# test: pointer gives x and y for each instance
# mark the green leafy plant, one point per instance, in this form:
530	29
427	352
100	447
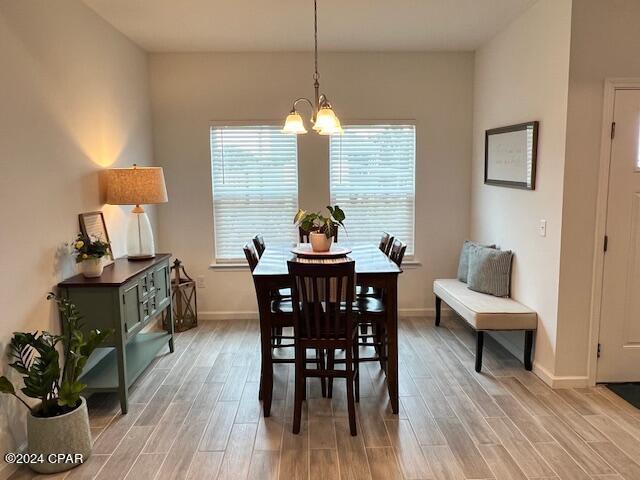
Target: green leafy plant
315	222
85	248
35	356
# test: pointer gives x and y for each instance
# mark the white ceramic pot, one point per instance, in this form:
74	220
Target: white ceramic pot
320	242
92	267
63	442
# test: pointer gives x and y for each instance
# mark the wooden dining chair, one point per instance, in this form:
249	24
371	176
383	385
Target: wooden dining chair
281	316
385	245
251	255
371	315
276	332
385	242
258	242
398	248
303	235
323	319
364	290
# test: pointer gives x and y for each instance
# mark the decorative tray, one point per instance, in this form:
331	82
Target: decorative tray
303	250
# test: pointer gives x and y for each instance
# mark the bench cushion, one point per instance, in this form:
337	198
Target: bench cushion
482	311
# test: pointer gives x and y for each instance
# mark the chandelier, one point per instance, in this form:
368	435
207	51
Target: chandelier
324	120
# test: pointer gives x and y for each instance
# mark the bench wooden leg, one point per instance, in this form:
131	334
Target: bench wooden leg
528	344
438	308
479	347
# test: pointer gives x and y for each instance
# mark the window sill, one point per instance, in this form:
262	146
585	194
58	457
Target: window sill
410	264
229	266
237	266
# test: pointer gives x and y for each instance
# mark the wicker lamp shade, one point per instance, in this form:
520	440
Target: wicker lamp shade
136	186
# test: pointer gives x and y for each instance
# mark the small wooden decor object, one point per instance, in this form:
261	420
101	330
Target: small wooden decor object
184	298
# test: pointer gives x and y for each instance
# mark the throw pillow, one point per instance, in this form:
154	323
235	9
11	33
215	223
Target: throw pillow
490	270
463	263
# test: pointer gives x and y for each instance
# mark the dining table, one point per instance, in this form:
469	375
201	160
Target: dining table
373	268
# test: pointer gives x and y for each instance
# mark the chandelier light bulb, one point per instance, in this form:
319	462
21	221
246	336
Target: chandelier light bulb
294	124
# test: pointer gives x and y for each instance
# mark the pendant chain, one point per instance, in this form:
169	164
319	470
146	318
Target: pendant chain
316	75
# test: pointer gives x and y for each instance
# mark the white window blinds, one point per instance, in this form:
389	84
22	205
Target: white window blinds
255	186
373	180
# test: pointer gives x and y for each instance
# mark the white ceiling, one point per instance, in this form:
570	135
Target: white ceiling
287	25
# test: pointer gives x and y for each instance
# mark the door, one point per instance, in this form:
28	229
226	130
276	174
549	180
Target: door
132	300
163	286
620	316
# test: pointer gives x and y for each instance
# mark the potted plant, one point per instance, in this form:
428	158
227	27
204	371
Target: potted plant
58	424
321	229
89	252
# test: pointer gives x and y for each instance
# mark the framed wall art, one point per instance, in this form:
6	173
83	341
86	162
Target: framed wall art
510	155
92	224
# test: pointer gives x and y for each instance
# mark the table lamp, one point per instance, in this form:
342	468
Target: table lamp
137	186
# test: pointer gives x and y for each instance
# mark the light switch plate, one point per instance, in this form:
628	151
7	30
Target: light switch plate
542	228
200	281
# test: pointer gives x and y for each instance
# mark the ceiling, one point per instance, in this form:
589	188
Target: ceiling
287	25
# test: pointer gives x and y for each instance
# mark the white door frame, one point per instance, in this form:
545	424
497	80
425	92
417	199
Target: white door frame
610	87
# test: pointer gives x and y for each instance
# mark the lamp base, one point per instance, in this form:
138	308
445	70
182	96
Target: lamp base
140	245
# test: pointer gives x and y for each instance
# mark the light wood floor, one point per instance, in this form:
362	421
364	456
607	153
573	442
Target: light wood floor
195	415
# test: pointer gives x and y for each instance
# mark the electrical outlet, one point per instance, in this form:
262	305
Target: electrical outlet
200	281
542	228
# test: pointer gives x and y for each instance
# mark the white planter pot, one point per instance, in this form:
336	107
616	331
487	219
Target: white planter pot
64	434
92	267
320	242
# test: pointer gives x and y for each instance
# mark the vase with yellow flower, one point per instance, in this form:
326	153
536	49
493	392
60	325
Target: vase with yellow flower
89	252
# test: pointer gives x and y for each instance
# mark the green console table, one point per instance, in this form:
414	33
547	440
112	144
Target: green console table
127	296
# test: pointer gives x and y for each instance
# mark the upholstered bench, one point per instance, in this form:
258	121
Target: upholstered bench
486	313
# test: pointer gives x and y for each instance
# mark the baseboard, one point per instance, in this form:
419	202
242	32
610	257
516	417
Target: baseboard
237	315
560	381
253	315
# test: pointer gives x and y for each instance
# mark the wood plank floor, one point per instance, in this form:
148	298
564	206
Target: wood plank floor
195	415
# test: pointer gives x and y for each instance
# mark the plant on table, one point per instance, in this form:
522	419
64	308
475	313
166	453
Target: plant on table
315	222
89	248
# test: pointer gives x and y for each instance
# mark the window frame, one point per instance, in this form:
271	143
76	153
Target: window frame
409	259
239	262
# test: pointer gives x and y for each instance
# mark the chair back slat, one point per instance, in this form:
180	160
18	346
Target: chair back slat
317	305
336	304
251	256
300	286
258	242
327	313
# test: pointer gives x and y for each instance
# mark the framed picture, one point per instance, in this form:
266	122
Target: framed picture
510	155
92	225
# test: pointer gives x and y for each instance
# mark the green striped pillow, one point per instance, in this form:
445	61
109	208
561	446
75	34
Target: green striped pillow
463	263
490	270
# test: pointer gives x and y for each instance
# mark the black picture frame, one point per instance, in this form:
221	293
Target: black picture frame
93	224
527	183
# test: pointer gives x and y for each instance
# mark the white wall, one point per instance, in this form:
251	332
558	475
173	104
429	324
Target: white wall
434	89
522	75
74	99
605	42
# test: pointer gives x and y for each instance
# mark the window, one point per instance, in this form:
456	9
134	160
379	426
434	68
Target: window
373	180
255	187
